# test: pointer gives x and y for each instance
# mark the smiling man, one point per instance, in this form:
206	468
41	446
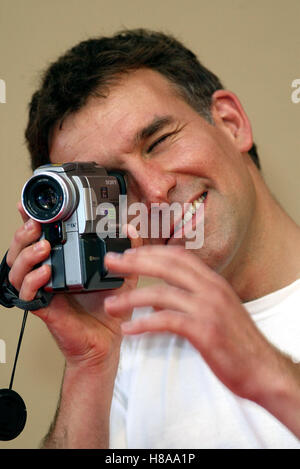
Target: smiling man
219	365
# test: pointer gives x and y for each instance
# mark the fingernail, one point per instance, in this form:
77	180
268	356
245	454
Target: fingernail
40	246
110	299
113	254
29	224
130	251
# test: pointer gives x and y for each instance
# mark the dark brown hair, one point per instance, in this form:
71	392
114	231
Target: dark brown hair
90	68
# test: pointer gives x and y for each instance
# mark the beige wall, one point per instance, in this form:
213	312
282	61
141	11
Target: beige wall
254	48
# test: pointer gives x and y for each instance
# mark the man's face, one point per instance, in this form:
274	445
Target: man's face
169	154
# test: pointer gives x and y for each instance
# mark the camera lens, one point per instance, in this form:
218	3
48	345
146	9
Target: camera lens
47	198
43	198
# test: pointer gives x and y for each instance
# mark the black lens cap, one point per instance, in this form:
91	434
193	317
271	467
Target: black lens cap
13	414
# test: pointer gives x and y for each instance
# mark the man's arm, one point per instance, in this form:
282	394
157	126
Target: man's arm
82	418
88	338
281	396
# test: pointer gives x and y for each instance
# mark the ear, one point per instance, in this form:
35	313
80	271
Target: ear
229	115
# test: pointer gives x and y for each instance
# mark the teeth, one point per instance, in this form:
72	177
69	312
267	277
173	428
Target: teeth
192	210
199	201
189	214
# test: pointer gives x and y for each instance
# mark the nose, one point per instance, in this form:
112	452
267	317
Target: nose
150	183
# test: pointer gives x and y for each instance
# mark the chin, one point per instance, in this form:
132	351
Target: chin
215	254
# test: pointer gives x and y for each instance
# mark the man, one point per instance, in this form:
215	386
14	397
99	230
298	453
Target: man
219	367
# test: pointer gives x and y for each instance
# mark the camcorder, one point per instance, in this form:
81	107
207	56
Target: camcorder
71	201
65	199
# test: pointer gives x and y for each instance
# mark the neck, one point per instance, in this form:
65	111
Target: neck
269	257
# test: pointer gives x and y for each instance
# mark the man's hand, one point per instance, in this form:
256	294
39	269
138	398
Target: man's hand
84	332
198	304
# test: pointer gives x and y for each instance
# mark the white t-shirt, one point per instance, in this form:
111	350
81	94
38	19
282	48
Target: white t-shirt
167	397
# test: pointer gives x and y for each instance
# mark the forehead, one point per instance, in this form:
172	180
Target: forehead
106	126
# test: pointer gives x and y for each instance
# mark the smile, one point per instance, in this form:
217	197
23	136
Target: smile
190	212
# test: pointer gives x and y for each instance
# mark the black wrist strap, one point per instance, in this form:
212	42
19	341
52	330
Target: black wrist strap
9	296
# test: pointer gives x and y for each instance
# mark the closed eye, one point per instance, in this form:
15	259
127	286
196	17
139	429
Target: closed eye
158	142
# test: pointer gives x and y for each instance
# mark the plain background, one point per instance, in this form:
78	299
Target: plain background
253	47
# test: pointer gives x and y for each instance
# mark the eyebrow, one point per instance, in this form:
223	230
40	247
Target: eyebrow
157	124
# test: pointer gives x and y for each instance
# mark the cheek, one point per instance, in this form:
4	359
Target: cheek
222	164
132	191
201	156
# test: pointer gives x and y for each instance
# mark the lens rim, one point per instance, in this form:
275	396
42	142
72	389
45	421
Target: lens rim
64	189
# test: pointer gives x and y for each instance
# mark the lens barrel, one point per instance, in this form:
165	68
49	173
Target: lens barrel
48	197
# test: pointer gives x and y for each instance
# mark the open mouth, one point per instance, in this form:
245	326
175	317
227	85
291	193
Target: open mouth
189	213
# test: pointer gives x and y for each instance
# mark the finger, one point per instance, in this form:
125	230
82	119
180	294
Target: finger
162	321
174	269
158	296
34	281
184	258
26	260
136	241
22	212
132	234
24	236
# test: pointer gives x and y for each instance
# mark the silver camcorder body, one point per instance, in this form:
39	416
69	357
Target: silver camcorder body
65	199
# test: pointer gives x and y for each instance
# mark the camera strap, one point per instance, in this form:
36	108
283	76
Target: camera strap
9	296
13	413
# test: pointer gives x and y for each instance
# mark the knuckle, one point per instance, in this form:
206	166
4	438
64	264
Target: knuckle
19	236
9	259
172	265
126	298
32	255
213	333
27	282
12	278
164	319
28	288
28	256
36	230
220	296
180	322
223	284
